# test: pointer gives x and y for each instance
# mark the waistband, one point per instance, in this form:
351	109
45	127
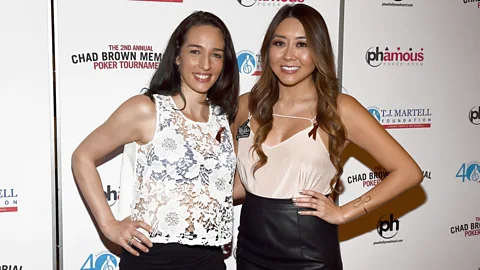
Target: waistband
265	202
259	201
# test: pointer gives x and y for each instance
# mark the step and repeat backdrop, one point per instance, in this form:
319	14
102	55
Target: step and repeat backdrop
413	64
27	190
107	52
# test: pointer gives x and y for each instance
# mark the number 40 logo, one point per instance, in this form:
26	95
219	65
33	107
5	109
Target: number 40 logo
103	261
470	171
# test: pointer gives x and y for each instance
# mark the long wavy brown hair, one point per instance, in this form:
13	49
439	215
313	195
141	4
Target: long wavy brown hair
265	93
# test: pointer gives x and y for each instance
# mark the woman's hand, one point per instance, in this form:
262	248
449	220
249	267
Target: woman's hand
125	234
322	207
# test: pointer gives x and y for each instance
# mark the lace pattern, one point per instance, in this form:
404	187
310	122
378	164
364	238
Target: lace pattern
184	179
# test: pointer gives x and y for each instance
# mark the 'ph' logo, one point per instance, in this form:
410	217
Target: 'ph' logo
374	56
111	195
388	228
474	115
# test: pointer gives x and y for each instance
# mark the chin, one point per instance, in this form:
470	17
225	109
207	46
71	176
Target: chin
289	82
202	90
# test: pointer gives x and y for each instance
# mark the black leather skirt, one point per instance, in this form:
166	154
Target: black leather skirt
272	235
174	257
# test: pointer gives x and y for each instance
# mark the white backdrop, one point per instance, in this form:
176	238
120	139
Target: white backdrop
425	104
90	89
26	114
412	63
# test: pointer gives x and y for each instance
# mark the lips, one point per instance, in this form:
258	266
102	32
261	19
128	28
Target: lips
202	77
289	69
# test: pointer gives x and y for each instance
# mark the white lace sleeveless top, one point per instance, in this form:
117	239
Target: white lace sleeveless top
181	182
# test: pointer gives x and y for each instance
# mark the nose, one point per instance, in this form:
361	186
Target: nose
205	62
290	53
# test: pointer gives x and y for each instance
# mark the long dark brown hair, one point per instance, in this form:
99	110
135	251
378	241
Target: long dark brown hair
265	93
166	80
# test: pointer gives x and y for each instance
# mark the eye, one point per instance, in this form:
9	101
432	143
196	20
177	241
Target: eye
301	44
278	43
194	51
217	55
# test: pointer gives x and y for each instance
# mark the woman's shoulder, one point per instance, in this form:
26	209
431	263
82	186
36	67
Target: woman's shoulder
140	106
352	113
243	99
347	105
243	111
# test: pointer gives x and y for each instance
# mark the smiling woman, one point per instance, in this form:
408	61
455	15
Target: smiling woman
201	59
202	46
291	129
178	164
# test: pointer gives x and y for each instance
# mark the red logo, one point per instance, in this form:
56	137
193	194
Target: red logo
8	200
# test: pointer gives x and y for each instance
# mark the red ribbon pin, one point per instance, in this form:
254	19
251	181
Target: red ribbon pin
219	134
313	132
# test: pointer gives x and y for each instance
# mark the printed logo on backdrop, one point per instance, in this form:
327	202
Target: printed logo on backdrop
10	267
120	57
402	118
8	200
469	172
167	1
470	2
394	56
467	229
267	3
474	115
387	228
111	195
369	179
102	261
397	3
249	63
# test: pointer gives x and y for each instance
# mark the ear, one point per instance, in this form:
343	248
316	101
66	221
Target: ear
177	60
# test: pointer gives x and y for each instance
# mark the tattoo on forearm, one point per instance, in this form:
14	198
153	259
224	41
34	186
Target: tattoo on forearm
361	202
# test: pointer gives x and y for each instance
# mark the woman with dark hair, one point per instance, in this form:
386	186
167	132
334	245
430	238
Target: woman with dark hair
176	207
291	130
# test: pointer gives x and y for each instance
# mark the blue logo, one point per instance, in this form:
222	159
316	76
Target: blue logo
102	261
470	171
375	112
247	63
402	118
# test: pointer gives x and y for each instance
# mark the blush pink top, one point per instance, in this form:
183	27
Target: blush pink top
298	163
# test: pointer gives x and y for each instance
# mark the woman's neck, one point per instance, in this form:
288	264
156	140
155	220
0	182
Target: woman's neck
195	104
304	90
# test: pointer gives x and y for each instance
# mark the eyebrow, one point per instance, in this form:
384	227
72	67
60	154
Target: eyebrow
201	47
280	36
